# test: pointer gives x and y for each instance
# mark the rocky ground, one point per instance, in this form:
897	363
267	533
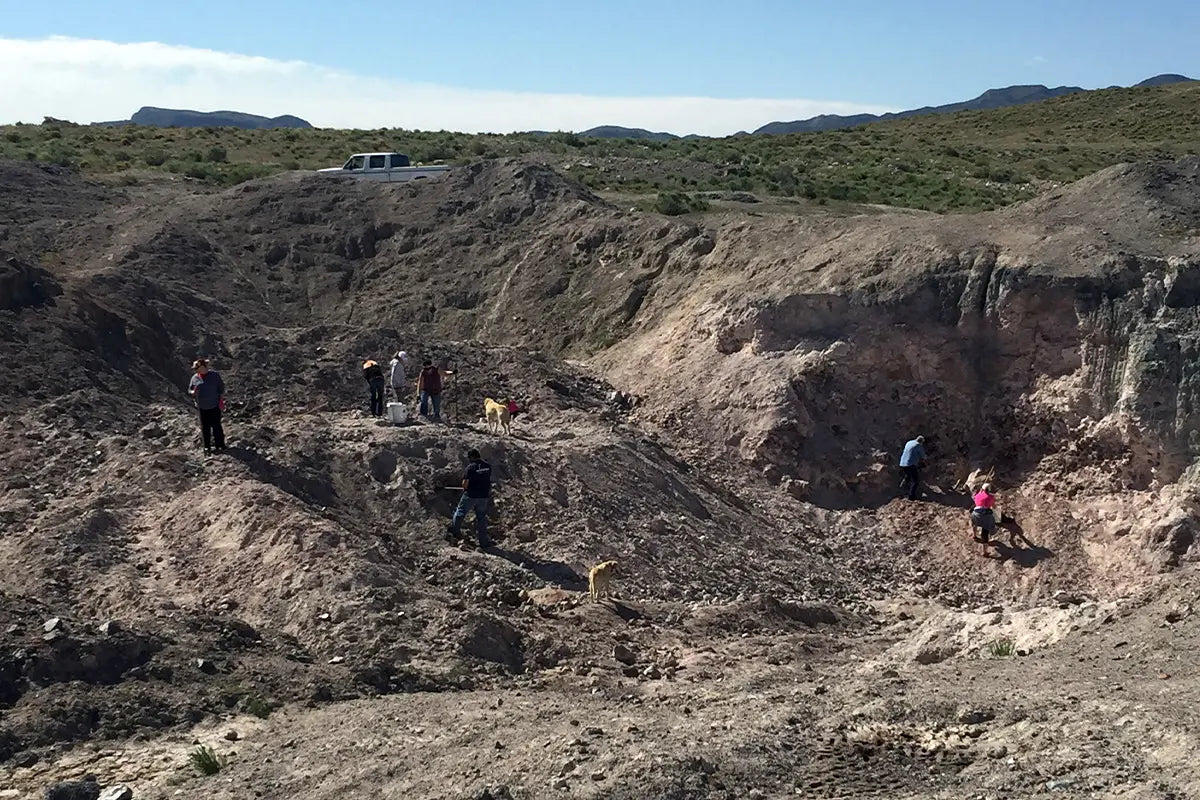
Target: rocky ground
783	626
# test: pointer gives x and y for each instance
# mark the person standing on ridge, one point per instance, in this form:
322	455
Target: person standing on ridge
429	390
398	377
207	390
476	496
373	375
911	462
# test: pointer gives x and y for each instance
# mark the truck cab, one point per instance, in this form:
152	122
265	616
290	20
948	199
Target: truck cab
385	167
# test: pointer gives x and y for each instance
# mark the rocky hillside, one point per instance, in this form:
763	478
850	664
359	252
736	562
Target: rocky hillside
775	598
183	118
992	98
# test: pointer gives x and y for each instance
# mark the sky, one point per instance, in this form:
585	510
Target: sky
699	66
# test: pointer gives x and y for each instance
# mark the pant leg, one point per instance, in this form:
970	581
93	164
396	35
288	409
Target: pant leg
437	406
377	398
481	525
914	482
464	504
218	430
206	428
424	407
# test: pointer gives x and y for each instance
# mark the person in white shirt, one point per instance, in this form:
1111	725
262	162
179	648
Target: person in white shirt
399	374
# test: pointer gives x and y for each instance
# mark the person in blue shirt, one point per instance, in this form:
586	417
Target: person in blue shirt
476	496
911	462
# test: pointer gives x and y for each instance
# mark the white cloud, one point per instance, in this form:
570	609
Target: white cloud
87	80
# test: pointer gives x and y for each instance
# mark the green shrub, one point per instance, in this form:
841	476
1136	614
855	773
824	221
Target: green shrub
217	155
1002	648
205	761
258	706
673	204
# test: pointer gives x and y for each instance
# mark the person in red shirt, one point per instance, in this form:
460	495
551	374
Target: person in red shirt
429	390
983	515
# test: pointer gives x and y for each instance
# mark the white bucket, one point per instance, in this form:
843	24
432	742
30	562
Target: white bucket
397	413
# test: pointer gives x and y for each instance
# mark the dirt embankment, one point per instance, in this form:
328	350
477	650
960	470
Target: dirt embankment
780	363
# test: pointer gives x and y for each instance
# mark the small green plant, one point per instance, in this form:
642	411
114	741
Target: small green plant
205	761
259	707
1002	648
673	204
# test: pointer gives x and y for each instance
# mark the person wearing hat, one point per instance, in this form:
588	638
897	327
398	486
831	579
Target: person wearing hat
207	390
911	462
373	374
398	377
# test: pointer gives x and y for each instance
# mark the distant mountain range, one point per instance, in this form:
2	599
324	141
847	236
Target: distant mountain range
992	98
182	118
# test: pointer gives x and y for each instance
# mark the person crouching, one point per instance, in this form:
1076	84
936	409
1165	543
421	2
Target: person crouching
983	516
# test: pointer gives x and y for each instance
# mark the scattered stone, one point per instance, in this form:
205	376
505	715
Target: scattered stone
976	717
117	793
630	671
997	751
52	624
598	775
568	767
86	789
1177	615
152	431
232	735
337	660
624	654
111	627
561	784
206	666
1060	783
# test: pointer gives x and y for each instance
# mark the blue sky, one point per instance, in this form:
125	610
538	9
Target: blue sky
861	54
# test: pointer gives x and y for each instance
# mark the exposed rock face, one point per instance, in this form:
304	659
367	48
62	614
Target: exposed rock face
1025	338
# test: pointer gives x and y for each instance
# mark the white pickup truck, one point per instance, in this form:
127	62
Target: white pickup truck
385	167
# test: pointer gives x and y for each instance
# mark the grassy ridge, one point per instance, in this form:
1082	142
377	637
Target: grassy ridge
965	161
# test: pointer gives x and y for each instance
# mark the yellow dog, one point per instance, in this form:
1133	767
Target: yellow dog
600	579
497	415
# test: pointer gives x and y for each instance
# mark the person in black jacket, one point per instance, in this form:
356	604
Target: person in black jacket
476	496
373	374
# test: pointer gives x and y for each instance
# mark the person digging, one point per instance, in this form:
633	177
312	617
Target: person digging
912	461
476	496
983	517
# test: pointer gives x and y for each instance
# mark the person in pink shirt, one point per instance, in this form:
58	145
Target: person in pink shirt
983	515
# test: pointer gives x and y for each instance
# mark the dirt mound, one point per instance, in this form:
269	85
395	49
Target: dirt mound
768	367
